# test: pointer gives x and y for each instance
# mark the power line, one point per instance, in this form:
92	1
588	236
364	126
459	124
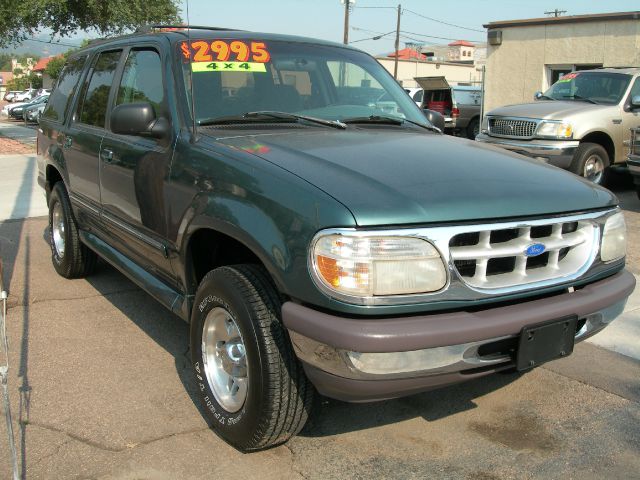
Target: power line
441	38
51	42
442	21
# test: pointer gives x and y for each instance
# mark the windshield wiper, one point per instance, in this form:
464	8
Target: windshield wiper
383	120
269	116
578	97
546	96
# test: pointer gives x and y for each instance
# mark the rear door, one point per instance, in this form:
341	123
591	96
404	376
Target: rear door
134	169
86	129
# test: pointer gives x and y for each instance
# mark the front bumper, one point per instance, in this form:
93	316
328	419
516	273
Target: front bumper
558	153
423	352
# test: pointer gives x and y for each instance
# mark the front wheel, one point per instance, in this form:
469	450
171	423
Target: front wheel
591	161
252	386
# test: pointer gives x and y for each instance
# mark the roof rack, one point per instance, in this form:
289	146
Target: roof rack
150	28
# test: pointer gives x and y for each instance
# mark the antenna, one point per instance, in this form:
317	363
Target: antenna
194	132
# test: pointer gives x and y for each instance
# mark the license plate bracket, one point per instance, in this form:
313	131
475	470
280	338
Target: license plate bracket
546	341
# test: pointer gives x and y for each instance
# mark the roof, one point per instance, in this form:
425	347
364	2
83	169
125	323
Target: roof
461	43
598	17
407	54
6	77
43	62
178	33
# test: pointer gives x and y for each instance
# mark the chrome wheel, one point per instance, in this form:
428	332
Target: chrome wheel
593	169
224	359
57	229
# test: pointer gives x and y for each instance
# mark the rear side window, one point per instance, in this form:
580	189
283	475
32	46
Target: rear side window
467	97
93	103
142	80
62	95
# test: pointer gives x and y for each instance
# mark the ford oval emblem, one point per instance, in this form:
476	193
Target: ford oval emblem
535	249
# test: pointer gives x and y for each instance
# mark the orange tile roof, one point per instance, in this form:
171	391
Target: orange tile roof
407	54
42	63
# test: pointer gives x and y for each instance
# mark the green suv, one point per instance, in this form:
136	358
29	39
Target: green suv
314	239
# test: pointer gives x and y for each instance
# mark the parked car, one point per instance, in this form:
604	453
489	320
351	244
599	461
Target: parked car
32	113
633	161
460	104
416	94
313	243
17	111
24	96
581	123
10	94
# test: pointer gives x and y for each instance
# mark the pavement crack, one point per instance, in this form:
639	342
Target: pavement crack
294	466
107	448
76	437
36	301
144	443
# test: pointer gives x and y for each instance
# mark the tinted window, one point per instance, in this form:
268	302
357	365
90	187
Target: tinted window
62	94
142	80
467	97
93	106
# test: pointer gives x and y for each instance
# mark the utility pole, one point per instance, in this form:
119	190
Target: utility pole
555	13
346	21
395	65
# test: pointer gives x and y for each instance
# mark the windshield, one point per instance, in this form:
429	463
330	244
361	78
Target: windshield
233	77
596	87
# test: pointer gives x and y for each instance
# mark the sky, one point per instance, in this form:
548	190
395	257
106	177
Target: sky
325	18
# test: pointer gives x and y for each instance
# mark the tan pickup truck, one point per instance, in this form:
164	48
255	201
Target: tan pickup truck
582	123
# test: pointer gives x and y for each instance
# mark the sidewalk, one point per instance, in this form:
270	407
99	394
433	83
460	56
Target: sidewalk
20	194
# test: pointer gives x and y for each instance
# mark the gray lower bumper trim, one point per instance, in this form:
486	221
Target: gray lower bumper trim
427	331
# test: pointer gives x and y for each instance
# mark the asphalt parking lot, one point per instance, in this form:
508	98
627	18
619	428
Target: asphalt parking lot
100	389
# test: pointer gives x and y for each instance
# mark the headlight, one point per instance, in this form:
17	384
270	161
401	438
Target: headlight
367	266
614	238
548	129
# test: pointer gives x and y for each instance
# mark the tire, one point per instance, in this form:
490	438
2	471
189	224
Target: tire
591	161
473	128
71	258
273	396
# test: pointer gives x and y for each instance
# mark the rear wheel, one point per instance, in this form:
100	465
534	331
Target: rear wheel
473	129
591	161
253	387
71	258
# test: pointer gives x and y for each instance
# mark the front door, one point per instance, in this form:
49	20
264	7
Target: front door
630	118
134	169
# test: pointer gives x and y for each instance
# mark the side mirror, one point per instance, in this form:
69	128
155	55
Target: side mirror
436	119
138	119
537	95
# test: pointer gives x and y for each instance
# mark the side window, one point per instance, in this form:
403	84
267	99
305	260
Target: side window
142	80
62	95
93	104
635	90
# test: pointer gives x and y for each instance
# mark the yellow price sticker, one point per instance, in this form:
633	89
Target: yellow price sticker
228	67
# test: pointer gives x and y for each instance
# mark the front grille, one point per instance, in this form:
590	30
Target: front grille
508	127
491	259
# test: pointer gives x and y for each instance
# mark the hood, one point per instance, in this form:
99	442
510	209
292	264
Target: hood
394	176
548	109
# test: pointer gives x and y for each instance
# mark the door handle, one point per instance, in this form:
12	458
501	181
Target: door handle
107	155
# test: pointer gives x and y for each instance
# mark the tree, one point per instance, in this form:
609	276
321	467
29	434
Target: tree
62	17
54	67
